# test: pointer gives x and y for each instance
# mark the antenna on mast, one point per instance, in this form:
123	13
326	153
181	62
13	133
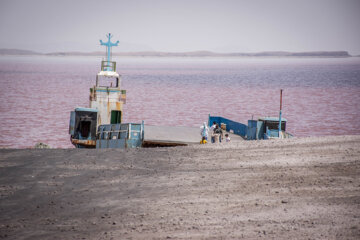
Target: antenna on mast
108	45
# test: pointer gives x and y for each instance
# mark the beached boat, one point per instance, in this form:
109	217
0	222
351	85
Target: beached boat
262	128
105	107
101	125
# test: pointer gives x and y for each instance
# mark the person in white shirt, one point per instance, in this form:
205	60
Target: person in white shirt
227	137
204	131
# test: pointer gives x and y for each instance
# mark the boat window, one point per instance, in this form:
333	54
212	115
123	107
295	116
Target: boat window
274	125
107	82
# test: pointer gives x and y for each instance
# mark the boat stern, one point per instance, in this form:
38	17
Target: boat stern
83	126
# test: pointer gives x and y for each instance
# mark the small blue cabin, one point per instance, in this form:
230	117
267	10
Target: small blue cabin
266	128
263	128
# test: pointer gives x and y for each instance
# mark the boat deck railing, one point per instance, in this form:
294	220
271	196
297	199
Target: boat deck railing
108	66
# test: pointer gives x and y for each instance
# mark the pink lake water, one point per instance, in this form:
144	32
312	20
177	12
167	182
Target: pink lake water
321	95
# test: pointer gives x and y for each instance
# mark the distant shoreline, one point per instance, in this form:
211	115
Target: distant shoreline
322	54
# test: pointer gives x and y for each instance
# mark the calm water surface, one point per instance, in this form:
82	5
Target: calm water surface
321	95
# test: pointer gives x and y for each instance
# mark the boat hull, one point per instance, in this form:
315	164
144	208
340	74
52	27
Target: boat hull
83	143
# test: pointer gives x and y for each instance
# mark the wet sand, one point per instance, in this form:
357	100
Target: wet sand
305	188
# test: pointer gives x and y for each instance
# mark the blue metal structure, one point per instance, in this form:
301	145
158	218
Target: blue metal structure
255	130
265	128
231	126
122	135
108	45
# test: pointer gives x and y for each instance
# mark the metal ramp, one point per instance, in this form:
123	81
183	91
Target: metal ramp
161	136
132	135
170	136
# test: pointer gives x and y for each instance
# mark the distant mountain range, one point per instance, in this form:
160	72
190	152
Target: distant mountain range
6	51
183	54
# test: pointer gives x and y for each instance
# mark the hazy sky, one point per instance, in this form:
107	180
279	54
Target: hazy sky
182	25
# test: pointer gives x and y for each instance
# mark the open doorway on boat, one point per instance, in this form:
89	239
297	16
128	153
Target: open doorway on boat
85	128
115	117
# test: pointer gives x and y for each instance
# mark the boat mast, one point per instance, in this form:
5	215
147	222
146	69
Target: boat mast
108	45
280	112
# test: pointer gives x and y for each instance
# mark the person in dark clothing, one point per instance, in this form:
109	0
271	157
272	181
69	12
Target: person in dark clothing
218	133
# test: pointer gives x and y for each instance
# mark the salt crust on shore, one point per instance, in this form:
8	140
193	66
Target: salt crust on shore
301	188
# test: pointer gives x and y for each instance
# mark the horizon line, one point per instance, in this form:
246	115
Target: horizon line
341	53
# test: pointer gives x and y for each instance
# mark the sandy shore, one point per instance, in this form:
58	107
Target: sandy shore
306	188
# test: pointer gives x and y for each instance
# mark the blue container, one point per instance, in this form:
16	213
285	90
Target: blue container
121	135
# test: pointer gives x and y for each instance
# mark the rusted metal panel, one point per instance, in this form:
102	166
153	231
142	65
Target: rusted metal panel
84	143
118	105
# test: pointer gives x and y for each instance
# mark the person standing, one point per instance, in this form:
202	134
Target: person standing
220	131
204	131
217	134
212	132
